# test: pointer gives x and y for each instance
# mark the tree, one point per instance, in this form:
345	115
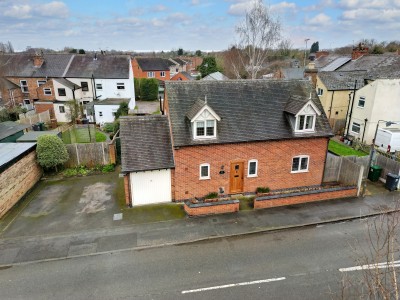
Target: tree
81	51
314	47
73	50
148	89
258	34
180	51
51	151
208	66
122	110
73	110
198	53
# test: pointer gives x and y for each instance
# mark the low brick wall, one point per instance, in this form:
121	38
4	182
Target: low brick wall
211	208
304	197
17	180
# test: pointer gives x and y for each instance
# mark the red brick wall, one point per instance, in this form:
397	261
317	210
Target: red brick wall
274	165
18	179
179	76
211	210
138	73
41	107
305	198
35	92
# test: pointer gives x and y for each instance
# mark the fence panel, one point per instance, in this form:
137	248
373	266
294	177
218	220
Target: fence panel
32	118
388	165
332	167
90	154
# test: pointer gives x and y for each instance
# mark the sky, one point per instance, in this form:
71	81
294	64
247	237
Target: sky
155	25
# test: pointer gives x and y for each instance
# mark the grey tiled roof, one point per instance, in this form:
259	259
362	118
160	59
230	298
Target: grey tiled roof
187	75
105	66
154	63
370	62
250	110
9	128
145	143
67	83
179	61
339	81
295	103
215	76
196	107
21	65
293	73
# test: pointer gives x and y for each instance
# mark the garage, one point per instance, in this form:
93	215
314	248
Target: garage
146	159
150	187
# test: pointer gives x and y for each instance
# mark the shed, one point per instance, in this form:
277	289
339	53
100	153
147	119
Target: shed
32	136
147	159
11	131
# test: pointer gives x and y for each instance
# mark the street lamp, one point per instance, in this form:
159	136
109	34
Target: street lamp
305	52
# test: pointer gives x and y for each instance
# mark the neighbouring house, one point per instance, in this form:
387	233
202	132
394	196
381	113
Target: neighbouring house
147	164
182	76
228	137
289	73
377	100
50	81
215	76
179	65
105	110
19	172
152	67
11	131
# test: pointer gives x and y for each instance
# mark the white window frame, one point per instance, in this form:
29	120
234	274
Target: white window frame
205	136
48	90
204	177
304	124
151	74
162	73
361	98
120	86
299	170
248	168
63	109
85	86
24	87
356	124
320	92
99	86
41	82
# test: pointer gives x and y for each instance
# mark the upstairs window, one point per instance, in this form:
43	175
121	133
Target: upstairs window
99	86
47	91
162	73
151	75
205	129
300	164
320	92
120	86
62	92
361	102
24	86
41	82
305	123
85	86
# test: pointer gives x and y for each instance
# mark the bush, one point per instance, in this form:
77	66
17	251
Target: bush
79	170
211	195
148	89
51	151
262	189
108	168
108	127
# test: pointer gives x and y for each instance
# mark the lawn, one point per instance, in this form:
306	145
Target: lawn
344	150
82	135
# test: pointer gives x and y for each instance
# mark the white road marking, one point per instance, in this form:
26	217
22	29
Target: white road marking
233	285
383	265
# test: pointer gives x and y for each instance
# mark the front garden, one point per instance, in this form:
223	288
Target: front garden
344	150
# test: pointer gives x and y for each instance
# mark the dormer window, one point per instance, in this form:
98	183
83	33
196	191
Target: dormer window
306	117
305	123
204	121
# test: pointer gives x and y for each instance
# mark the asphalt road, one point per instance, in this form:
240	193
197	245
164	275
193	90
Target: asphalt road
296	264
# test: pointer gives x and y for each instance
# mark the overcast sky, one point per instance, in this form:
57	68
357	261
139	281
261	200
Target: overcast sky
188	24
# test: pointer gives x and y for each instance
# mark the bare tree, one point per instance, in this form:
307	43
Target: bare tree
377	258
258	34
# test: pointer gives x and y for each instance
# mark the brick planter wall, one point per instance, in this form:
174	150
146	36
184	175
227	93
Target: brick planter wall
303	197
17	180
211	208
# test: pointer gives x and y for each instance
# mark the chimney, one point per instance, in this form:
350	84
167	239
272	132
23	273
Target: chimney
359	51
319	54
38	60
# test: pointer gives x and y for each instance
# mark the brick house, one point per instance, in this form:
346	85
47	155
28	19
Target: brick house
152	67
231	137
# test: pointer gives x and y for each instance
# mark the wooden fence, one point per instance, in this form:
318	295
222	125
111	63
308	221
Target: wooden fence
388	165
90	154
32	117
344	170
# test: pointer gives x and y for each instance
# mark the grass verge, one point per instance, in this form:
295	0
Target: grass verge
343	150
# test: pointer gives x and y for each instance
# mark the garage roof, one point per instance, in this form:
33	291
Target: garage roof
145	143
11	151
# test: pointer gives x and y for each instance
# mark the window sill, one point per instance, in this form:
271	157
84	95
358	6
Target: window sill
204	178
252	176
301	171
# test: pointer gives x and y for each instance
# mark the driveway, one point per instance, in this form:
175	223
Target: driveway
66	205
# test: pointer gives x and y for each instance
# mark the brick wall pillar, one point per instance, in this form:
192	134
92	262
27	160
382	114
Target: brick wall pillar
127	190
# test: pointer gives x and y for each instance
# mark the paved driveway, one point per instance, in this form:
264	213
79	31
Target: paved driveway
67	205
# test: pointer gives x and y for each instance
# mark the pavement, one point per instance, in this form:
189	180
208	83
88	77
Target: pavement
89	227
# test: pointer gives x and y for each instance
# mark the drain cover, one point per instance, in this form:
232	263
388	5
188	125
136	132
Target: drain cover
117	217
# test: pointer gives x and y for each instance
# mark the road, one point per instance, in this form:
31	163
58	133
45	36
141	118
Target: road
293	264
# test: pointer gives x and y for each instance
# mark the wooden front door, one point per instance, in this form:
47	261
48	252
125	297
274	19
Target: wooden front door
236	177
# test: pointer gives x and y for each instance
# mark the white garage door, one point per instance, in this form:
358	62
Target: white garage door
151	187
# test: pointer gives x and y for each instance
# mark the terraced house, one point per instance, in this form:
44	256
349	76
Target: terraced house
228	137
